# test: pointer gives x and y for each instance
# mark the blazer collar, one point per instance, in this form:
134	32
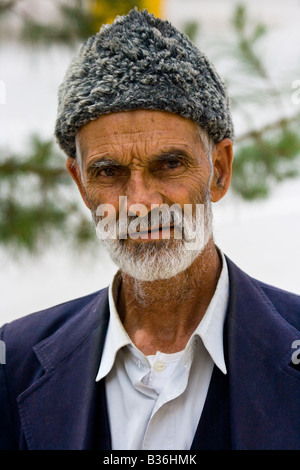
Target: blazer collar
58	410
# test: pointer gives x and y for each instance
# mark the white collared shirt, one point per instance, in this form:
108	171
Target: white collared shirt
155	402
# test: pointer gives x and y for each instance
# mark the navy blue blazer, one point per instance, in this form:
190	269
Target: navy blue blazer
49	398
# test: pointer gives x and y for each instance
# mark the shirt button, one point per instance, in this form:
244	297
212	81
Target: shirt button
159	366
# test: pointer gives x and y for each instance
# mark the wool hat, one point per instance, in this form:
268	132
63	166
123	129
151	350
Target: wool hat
141	62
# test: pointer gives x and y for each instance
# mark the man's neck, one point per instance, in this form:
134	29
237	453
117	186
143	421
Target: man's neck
162	315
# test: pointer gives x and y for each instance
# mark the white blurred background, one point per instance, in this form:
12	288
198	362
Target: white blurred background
261	237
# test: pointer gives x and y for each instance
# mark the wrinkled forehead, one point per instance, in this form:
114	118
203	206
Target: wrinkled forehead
144	127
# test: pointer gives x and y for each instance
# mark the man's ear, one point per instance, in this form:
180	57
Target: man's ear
74	170
222	169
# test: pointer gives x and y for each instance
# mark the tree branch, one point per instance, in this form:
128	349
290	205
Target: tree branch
10	167
280	123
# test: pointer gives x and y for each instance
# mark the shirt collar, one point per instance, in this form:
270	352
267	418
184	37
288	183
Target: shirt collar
210	328
116	336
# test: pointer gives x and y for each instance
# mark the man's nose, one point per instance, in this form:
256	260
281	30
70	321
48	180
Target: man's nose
141	189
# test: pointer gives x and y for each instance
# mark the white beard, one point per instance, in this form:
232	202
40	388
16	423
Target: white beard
162	259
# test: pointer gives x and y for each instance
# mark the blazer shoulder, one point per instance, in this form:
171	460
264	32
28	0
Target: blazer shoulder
286	303
22	367
29	330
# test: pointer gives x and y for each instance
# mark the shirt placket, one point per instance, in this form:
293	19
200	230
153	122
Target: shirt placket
162	423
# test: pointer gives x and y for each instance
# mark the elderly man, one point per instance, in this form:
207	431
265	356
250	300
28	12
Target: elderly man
183	350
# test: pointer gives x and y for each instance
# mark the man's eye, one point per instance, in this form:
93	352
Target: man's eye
109	171
174	163
106	172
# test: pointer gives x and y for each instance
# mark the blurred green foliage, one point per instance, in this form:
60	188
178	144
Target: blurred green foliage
268	156
263	162
73	21
36	193
79	19
37	200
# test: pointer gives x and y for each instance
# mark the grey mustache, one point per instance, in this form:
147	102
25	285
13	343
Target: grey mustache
154	219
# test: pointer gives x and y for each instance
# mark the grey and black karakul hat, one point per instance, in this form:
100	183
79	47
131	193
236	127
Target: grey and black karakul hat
141	62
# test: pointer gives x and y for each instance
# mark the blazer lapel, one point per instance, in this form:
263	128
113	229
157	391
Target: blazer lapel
264	387
58	410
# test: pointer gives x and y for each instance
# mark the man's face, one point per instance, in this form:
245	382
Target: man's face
151	157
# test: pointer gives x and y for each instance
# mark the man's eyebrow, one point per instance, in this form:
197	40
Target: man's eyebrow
173	153
102	162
